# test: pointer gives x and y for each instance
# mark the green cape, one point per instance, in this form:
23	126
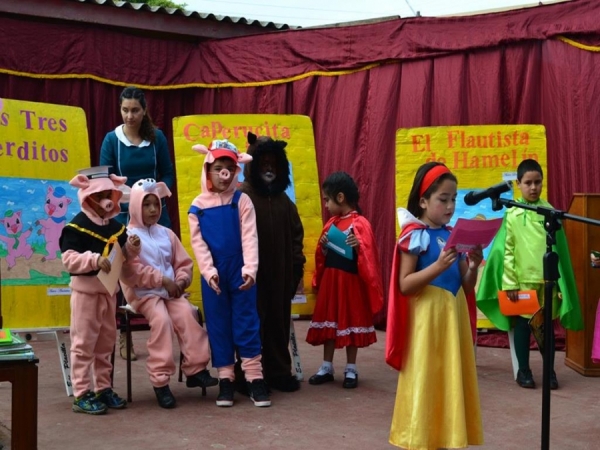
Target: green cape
491	282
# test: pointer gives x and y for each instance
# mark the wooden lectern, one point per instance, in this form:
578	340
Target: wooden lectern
584	238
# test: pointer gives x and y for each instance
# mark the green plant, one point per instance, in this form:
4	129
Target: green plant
163	3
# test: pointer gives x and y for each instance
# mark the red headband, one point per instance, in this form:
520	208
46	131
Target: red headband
434	173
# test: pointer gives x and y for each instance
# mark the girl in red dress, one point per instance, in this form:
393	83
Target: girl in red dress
348	281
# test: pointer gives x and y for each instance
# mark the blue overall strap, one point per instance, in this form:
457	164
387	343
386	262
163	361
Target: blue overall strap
195	210
236	198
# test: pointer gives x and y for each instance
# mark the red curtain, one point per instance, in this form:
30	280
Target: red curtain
113	54
500	69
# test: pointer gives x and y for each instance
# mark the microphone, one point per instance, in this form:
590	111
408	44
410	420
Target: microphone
474	197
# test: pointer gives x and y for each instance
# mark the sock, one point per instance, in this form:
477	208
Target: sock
326	367
350	371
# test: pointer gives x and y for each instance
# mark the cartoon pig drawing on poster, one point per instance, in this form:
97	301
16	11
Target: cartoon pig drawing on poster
16	242
55	206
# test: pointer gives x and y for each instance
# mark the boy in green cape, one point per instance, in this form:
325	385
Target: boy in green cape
515	263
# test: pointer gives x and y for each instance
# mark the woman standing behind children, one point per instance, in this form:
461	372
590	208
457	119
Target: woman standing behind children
154	284
224	239
429	336
136	149
349	286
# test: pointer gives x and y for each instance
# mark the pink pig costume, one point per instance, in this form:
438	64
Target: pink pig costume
83	240
162	255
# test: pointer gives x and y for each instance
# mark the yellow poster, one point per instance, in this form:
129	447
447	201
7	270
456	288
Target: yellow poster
41	148
479	155
297	131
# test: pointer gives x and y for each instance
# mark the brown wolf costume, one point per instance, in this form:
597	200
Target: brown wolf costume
281	260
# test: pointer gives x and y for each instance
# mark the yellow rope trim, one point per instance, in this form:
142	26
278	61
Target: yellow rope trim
111	240
314	73
589	48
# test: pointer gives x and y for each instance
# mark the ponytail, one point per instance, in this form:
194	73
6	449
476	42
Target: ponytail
147	128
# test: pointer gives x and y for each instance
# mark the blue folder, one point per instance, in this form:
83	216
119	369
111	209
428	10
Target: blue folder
337	242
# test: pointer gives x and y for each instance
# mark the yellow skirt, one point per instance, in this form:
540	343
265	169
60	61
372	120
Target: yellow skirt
437	401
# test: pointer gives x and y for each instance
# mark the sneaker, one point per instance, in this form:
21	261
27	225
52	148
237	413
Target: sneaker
201	379
165	397
226	391
525	379
259	393
88	403
111	399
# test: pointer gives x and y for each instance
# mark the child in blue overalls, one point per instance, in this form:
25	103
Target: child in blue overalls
225	242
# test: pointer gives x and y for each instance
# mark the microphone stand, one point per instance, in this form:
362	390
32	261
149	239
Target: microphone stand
552	223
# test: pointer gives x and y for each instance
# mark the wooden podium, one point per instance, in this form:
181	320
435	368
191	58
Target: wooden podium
584	238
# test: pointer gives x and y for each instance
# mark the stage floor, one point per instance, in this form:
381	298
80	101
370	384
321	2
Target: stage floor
317	417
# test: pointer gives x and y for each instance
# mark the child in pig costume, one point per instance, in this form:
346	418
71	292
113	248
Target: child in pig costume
86	243
224	240
154	285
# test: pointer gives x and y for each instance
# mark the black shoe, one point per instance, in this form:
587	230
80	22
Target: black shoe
350	383
525	379
259	393
201	379
285	383
553	381
165	397
226	391
320	379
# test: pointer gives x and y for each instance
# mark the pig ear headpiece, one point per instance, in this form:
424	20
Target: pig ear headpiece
222	148
85	176
150	186
126	191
